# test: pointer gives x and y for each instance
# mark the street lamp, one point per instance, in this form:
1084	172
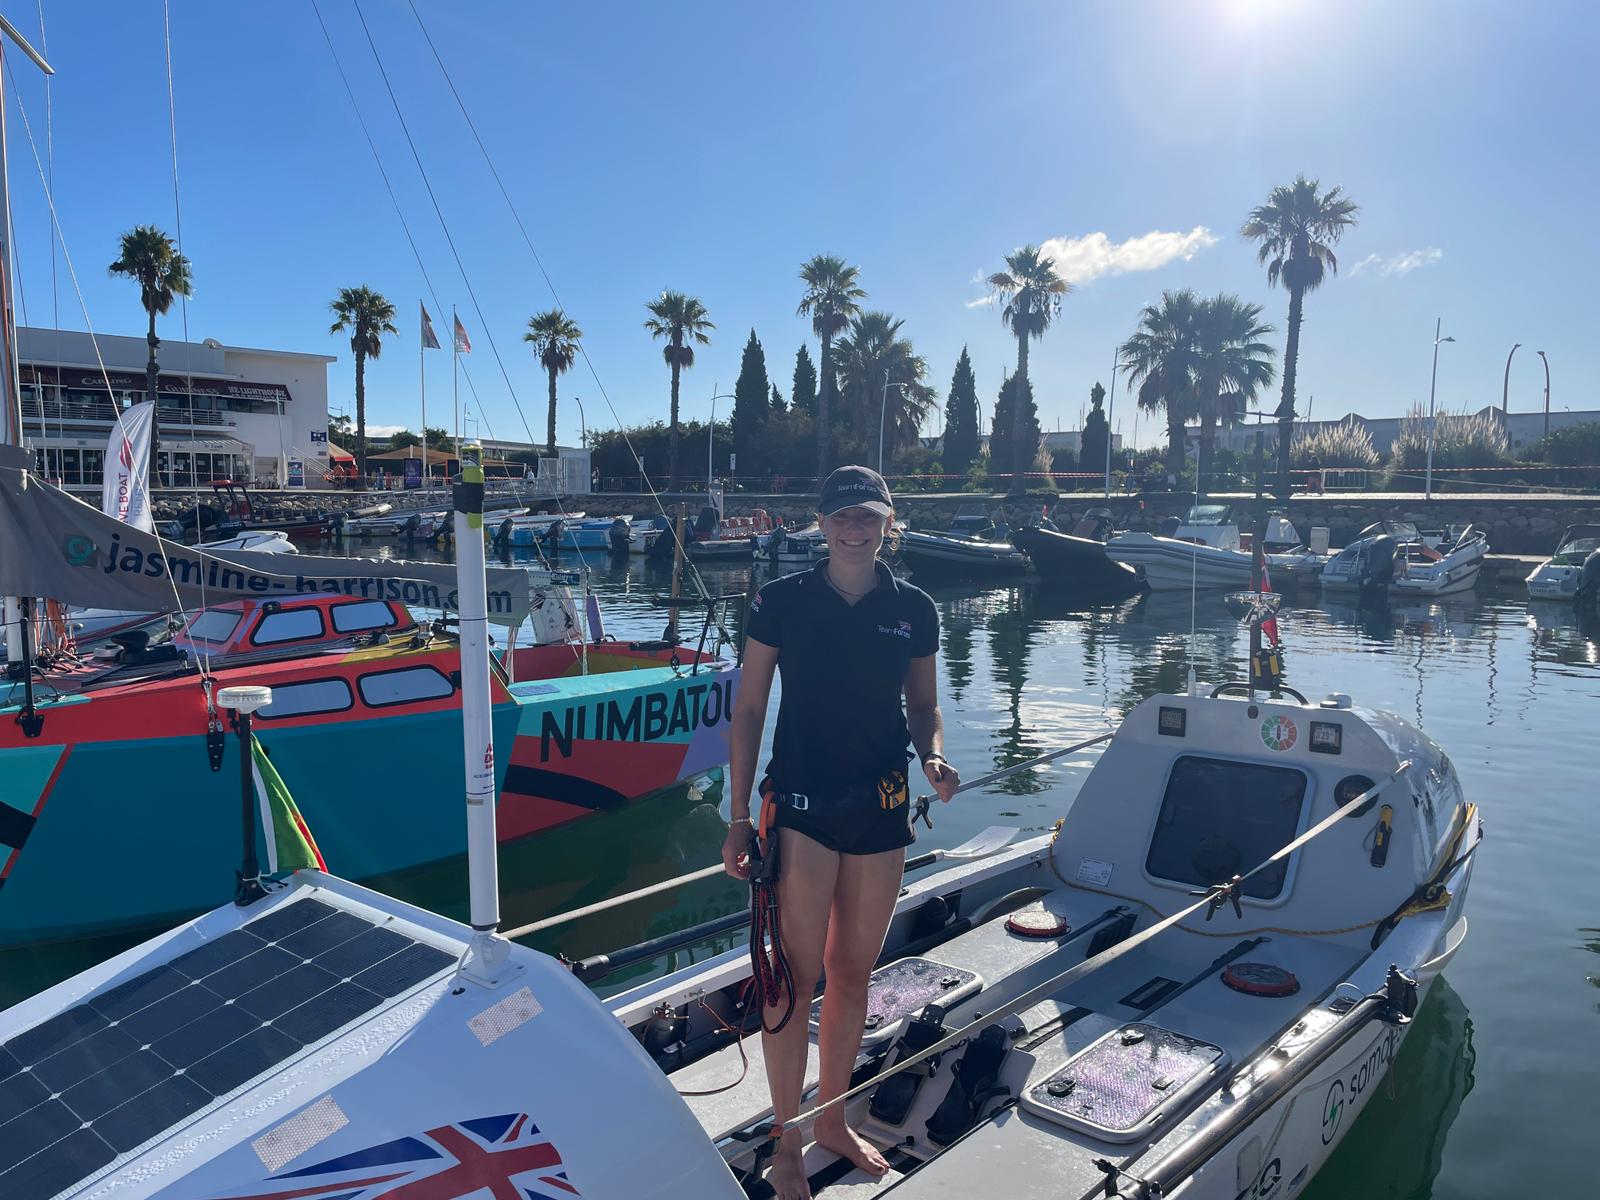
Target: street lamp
1505	388
583	425
711	431
883	413
1427	490
1546	362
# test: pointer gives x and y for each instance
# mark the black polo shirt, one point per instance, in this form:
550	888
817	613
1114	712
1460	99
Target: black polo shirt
841	719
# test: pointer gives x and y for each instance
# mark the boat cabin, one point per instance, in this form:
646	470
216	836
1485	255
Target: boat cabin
1210	525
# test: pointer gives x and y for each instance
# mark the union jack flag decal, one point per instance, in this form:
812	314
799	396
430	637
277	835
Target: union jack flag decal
503	1157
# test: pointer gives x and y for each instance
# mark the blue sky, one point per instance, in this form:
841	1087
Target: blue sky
712	148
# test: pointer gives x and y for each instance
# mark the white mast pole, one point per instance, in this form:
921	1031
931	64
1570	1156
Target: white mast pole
486	960
455	378
422	391
11	420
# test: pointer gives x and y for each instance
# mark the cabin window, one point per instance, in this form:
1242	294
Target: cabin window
365	614
1220	819
313	696
288	625
213	625
404	686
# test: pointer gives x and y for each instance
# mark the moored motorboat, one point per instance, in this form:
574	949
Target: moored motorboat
1202	552
1078	560
1442	566
1559	576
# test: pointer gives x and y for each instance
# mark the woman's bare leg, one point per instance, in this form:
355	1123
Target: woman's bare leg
864	896
807	874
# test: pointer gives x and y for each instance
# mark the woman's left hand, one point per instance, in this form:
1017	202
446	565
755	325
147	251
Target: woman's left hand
944	778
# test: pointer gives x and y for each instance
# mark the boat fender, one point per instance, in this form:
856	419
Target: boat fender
1382	834
975	1083
892	1101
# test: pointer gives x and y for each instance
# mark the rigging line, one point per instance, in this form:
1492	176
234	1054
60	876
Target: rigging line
388	184
55	297
94	339
183	304
694	570
461	267
427	183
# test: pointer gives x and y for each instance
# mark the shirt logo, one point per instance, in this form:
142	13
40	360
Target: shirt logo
902	630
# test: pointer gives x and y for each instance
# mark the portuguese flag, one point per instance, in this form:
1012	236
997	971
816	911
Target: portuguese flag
290	845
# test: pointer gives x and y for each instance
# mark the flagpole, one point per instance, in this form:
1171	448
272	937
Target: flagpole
455	381
422	391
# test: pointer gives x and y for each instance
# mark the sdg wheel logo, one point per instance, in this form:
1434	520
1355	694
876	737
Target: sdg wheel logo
1278	733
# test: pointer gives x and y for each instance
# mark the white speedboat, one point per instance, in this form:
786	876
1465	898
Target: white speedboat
1558	577
1367	564
1441	565
792	547
1203	551
1291	561
87	625
1059	1017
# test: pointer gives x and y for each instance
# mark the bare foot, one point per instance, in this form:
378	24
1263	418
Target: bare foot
788	1173
838	1137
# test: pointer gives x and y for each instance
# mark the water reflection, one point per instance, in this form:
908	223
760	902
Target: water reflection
1395	1148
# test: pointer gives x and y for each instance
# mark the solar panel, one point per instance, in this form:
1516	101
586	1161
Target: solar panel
104	1077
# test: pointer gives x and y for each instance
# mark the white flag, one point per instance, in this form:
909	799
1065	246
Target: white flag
125	494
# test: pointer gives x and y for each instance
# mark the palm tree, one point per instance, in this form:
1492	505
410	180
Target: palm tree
883	377
368	316
1159	359
830	300
554	336
1231	364
149	257
1297	228
1032	293
682	321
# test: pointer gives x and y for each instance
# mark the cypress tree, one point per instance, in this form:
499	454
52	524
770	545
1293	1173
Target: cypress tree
961	419
777	400
803	395
1092	450
1003	459
750	403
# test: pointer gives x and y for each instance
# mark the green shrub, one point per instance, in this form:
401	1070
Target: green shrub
1575	448
1344	445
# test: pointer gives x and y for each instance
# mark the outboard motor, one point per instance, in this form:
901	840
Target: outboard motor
552	536
1377	567
1587	597
1169	527
502	535
409	529
618	536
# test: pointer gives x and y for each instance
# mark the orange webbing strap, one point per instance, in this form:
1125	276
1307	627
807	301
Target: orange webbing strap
769	810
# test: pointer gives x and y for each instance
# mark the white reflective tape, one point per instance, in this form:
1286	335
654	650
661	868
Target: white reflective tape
494	1022
310	1126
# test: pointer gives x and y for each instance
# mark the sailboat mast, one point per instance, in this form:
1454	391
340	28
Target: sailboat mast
11	420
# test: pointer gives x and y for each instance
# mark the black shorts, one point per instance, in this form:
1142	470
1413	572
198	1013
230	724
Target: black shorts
866	818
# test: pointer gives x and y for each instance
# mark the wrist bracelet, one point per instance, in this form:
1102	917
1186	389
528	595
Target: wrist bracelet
750	821
934	754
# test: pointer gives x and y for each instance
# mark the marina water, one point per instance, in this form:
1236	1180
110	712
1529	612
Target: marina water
1491	1087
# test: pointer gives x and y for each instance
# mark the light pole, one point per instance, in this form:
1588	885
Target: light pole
1427	490
583	425
1505	388
1546	363
711	433
1111	407
883	413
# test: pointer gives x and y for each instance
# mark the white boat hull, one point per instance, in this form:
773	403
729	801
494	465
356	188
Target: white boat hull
1170	565
1554	581
1455	572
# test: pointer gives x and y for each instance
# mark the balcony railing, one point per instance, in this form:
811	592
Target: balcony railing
171	416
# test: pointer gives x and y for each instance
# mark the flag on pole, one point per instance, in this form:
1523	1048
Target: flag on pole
430	340
290	845
463	342
124	492
1269	627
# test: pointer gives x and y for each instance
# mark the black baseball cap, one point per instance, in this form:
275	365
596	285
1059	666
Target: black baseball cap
855	487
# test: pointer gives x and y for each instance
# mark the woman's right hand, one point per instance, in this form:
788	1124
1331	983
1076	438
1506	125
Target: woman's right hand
736	849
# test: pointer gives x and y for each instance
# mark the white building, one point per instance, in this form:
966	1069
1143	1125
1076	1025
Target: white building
224	412
1523	429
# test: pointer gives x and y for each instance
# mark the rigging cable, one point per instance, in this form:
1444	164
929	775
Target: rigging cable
694	570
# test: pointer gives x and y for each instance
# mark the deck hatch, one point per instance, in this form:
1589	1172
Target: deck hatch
102	1078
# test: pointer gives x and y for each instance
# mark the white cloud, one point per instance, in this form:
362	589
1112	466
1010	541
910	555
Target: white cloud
1081	260
1402	263
384	430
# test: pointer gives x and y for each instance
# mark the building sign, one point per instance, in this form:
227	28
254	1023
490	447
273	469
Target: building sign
297	473
413	472
122	381
319	435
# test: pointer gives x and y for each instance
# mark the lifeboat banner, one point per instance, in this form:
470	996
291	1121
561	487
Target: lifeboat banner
52	544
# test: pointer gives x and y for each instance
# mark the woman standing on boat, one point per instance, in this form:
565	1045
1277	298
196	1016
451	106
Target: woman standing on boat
852	643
